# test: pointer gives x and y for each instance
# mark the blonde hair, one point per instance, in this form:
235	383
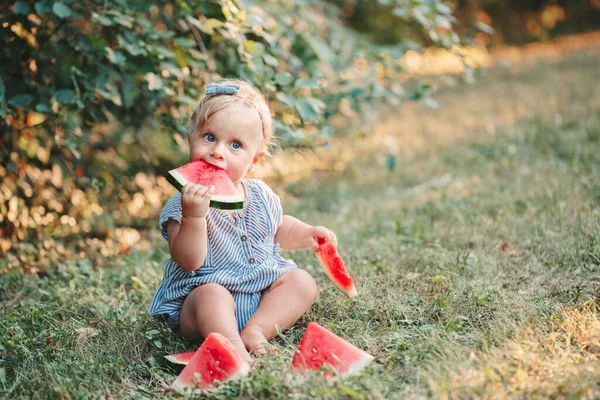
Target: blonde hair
210	104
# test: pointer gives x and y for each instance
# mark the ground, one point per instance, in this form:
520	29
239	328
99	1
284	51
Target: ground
472	231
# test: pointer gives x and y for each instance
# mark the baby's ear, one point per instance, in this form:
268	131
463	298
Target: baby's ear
259	156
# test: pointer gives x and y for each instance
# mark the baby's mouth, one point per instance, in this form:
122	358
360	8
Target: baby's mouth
215	164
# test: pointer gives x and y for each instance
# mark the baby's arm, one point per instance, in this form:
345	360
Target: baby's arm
188	240
295	234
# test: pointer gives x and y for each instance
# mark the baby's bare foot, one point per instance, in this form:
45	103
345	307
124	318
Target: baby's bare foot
241	348
254	340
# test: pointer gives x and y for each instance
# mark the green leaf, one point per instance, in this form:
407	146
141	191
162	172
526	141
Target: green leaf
184	42
130	90
43	108
132	48
115	57
123	20
163	52
110	92
151	333
270	60
21	8
172	69
484	27
154	81
443	22
61	10
307	111
104	20
208	26
399	12
316	104
286	99
42	7
323	51
310	83
20	100
444	8
391	162
65	96
253	47
259	49
97	42
283	78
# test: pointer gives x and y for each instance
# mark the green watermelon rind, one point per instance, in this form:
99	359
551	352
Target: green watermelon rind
219	202
180	358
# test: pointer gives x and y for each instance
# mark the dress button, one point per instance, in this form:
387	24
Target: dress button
251	261
244	238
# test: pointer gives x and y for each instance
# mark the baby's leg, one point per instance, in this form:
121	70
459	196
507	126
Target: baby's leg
210	308
282	304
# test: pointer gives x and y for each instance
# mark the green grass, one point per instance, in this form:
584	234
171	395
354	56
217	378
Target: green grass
444	308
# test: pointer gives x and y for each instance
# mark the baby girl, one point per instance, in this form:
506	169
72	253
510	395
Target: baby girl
225	274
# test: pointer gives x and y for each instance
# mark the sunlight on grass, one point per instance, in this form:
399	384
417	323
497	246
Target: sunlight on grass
535	363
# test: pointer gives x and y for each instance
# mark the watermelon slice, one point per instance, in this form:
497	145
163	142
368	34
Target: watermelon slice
216	360
335	269
320	348
181	358
200	172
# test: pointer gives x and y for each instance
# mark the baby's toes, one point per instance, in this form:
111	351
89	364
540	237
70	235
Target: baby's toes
254	340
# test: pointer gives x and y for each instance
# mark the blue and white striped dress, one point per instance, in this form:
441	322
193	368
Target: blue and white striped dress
242	255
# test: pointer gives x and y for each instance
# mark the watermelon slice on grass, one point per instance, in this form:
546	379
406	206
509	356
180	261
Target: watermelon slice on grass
181	358
335	269
321	349
216	360
202	173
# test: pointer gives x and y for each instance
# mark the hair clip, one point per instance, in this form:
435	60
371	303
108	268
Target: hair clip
218	88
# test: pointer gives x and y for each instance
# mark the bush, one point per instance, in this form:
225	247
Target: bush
93	91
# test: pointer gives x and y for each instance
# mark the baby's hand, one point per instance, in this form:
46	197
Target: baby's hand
319	234
195	200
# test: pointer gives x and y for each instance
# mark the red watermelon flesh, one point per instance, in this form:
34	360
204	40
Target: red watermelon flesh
202	173
181	358
320	348
216	360
335	269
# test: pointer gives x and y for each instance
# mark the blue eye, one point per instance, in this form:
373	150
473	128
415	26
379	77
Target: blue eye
236	145
209	137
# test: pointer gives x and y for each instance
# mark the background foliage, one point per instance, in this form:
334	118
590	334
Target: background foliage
514	21
95	96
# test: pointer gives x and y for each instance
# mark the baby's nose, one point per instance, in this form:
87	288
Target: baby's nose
216	153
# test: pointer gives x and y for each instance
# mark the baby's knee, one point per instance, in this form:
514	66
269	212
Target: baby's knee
305	284
210	292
